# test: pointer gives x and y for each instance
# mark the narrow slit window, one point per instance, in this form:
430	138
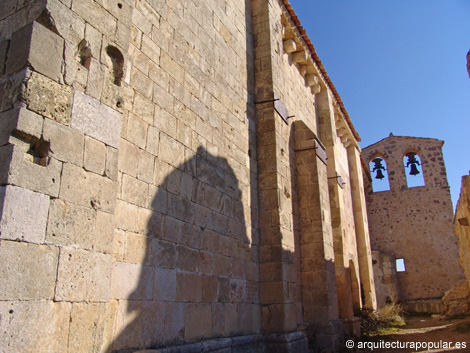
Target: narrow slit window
413	170
379	174
400	264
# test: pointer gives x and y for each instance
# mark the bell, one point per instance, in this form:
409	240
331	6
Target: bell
414	169
412	158
379	174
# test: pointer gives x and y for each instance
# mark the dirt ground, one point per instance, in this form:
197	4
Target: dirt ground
438	331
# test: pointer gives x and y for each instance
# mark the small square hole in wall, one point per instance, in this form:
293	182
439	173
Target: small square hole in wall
400	264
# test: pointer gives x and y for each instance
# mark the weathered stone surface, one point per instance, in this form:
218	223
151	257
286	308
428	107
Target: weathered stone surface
461	225
71	225
135	191
132	281
22	171
126	216
69	25
104	230
164	286
87	189
95	156
83	276
47	316
112	159
171	151
37	46
96	15
11	90
96	120
457	300
198	322
37	265
66	143
138	324
173	329
49	98
3	55
86	327
24	214
19	121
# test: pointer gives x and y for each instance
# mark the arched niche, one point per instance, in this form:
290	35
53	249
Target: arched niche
413	169
116	64
379	174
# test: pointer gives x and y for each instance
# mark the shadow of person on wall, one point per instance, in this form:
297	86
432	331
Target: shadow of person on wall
198	278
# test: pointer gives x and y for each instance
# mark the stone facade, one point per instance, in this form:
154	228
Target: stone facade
458	299
175	173
414	223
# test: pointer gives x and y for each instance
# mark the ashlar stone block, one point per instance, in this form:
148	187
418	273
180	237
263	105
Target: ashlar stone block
95	155
141	330
66	143
22	171
96	120
20	121
86	327
83	276
87	189
43	316
48	98
39	47
71	225
28	271
132	281
96	15
24	214
198	323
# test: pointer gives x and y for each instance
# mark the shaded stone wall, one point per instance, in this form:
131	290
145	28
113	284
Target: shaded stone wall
462	224
415	223
385	276
168	175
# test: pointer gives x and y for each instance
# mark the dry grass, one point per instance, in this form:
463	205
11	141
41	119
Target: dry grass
382	320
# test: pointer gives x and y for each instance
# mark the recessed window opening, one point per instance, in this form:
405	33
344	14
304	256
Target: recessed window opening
379	174
400	264
117	62
84	54
413	170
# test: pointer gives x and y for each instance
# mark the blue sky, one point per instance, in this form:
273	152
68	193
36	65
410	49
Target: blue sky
399	66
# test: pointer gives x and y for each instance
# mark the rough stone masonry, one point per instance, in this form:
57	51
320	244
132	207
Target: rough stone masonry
175	173
412	222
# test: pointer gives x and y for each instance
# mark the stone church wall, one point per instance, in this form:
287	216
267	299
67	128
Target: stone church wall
415	223
174	172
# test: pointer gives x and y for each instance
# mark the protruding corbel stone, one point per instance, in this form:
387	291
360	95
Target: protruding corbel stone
284	31
313	82
290	45
303	69
341	132
312	79
316	89
300	56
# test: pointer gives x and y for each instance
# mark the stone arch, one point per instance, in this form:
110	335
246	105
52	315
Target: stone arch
380	181
413	168
116	64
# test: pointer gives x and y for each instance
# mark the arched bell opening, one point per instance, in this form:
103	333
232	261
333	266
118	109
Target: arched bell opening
413	170
379	174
